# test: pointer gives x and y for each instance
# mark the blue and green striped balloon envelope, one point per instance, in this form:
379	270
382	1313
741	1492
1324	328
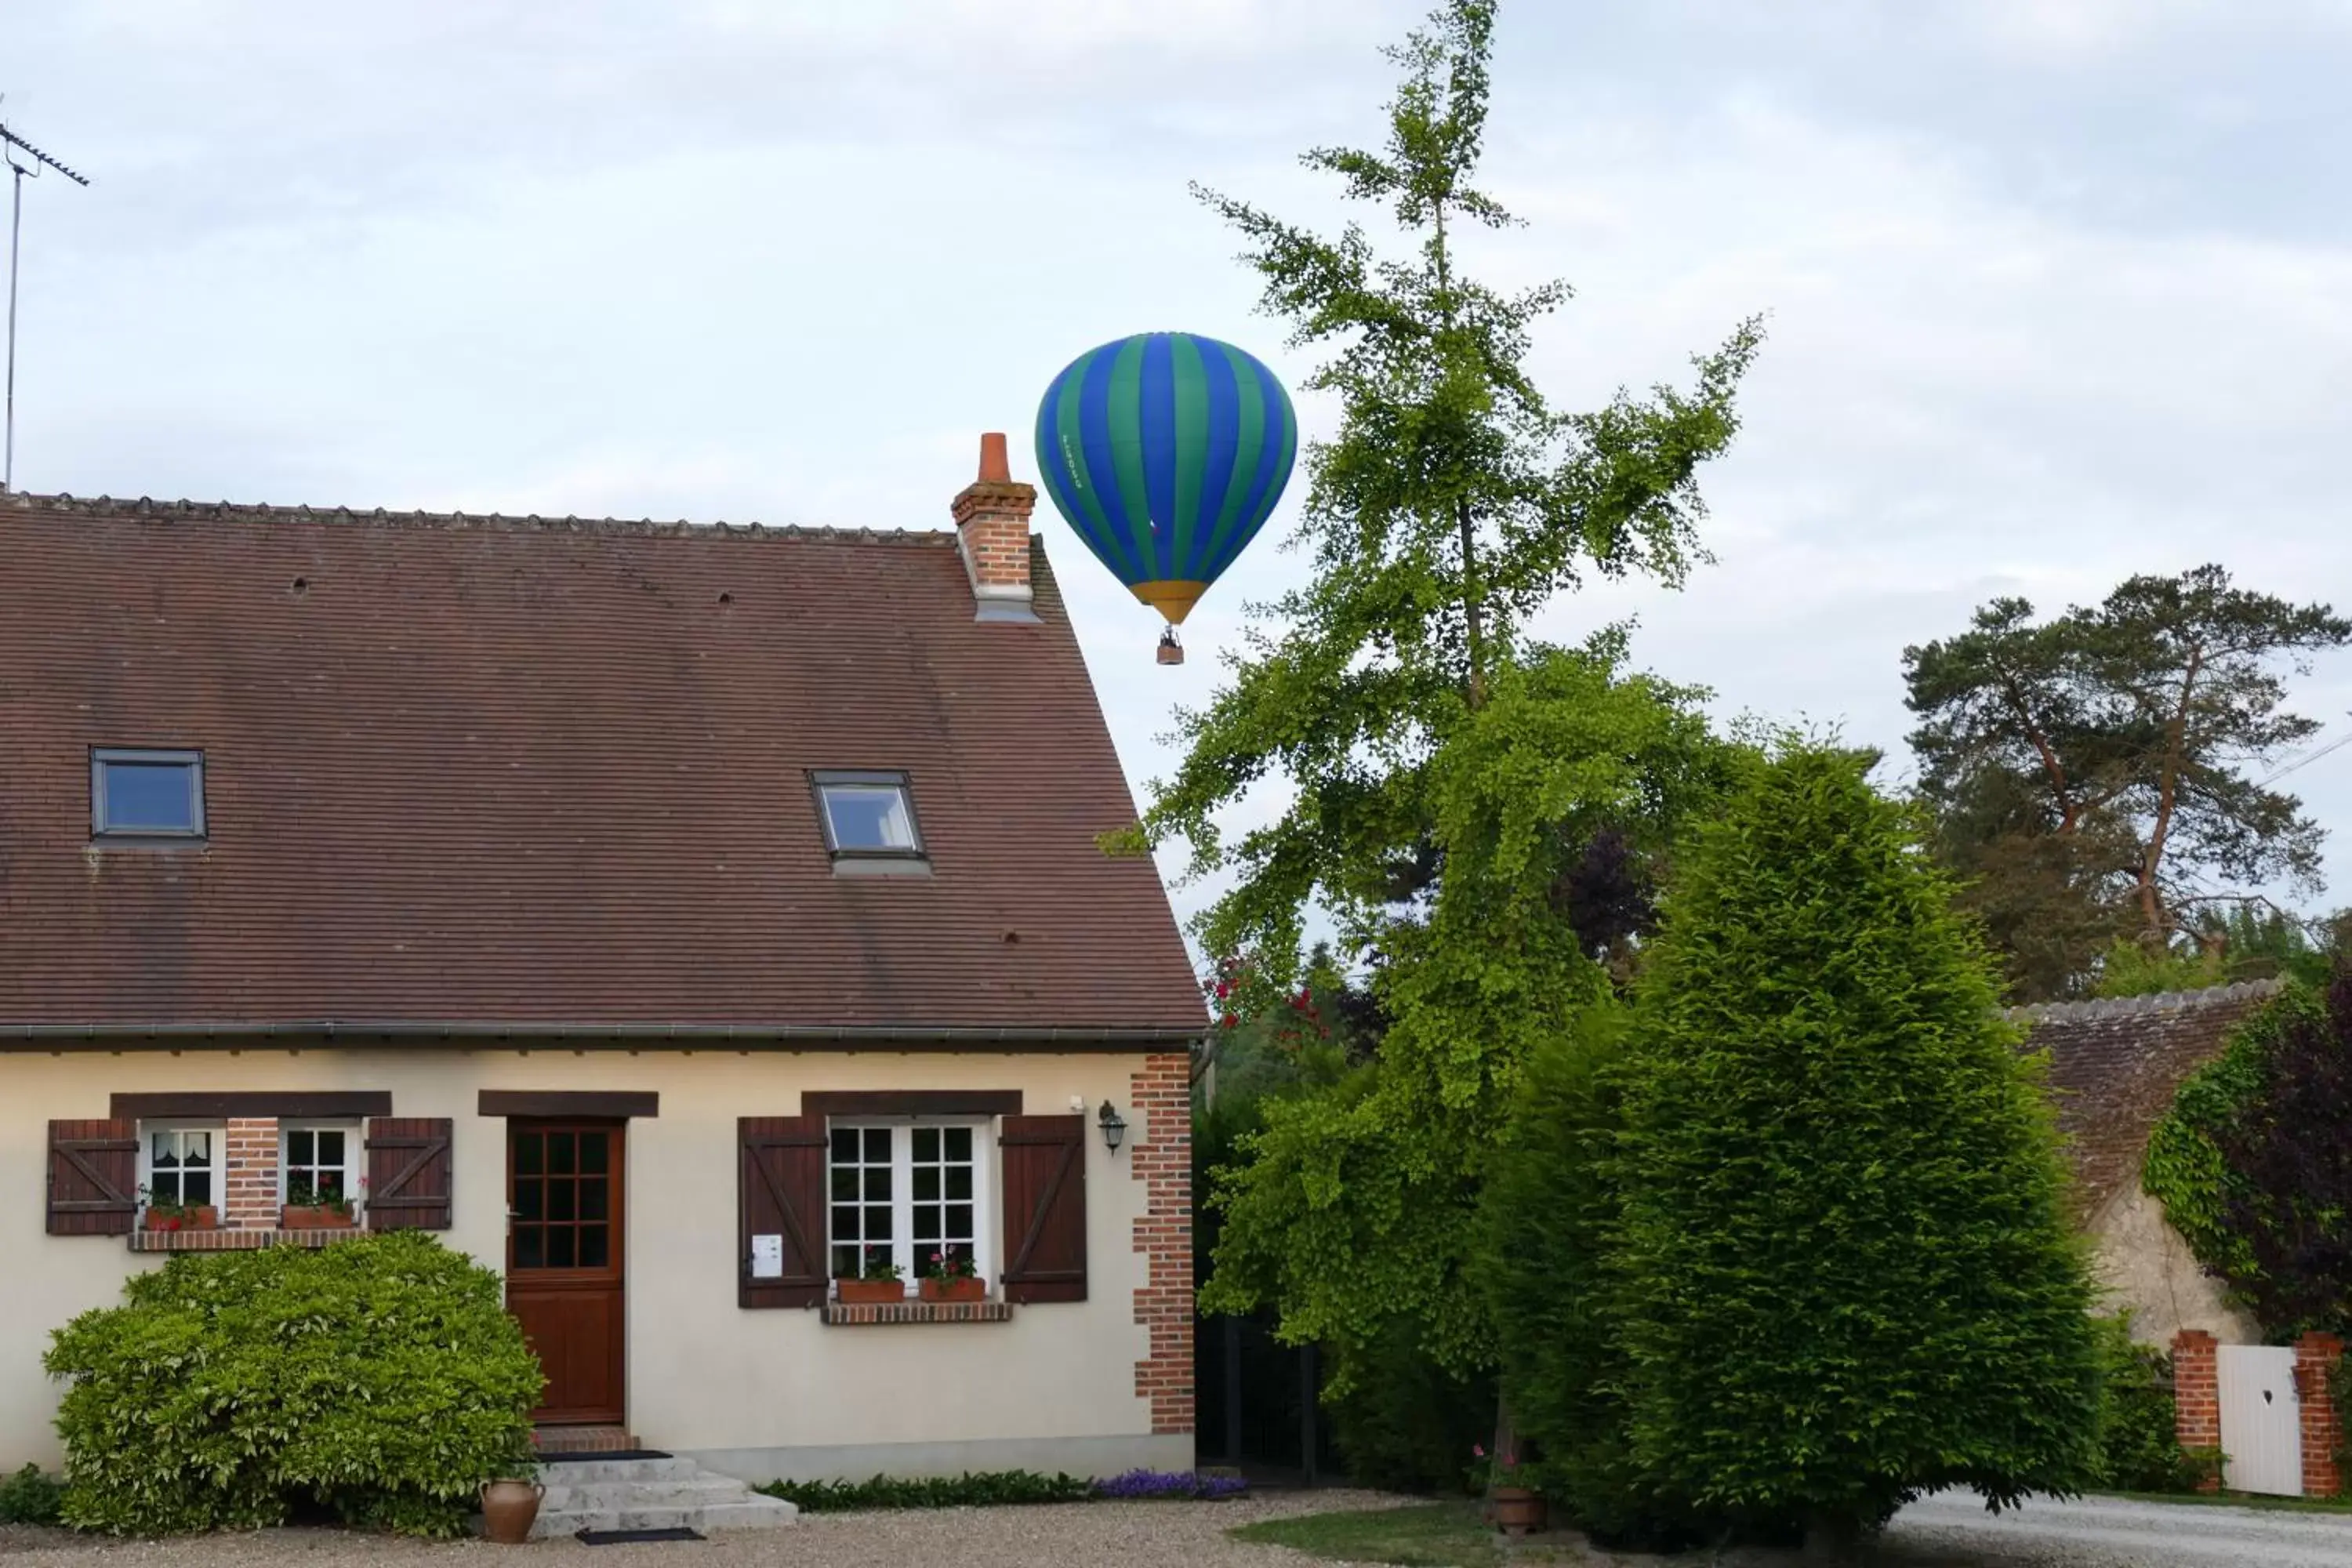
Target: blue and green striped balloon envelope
1167	453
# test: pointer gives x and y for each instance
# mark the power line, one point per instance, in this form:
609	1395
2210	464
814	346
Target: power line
9	142
2337	745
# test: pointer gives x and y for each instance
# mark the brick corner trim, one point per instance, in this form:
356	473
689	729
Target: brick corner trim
1162	1091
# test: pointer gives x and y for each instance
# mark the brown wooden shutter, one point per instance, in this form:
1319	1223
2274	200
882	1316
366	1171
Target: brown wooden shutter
408	1173
1045	1207
781	1192
93	1178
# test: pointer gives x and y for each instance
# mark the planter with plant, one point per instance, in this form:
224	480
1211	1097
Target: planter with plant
309	1208
949	1277
170	1213
874	1284
1510	1485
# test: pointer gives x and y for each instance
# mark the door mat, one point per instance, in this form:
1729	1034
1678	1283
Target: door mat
597	1456
630	1537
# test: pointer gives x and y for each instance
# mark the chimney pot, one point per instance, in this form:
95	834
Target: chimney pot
995	467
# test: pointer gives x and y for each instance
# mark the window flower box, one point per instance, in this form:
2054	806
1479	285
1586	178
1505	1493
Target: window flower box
967	1288
181	1216
316	1216
869	1292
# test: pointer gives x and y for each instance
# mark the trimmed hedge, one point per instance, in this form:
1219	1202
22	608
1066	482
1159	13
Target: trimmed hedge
1849	1275
996	1488
379	1378
1793	1251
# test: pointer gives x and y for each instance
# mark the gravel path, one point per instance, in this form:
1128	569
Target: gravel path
1114	1535
1953	1528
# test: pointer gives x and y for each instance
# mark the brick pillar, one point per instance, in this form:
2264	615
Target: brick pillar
2316	1356
2197	1396
249	1191
1162	1160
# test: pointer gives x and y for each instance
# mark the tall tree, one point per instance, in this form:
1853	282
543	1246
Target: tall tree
1451	505
1447	776
1844	1274
2100	772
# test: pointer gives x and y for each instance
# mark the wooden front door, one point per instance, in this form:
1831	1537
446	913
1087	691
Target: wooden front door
564	1263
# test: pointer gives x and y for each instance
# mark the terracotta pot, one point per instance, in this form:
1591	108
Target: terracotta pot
870	1292
1518	1511
509	1509
314	1217
972	1289
204	1216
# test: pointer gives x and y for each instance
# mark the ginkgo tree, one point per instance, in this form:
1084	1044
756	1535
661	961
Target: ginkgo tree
1446	774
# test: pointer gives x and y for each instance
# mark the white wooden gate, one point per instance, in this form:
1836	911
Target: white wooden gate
2261	1420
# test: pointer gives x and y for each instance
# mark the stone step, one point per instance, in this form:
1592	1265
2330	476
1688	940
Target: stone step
650	1494
668	1493
579	1472
756	1511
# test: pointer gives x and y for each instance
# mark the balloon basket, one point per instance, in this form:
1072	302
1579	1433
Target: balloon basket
1171	651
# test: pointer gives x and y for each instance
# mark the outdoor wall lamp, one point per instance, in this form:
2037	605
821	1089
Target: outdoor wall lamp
1114	1126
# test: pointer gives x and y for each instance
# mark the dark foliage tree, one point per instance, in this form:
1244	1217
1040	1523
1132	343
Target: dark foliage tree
2289	1149
2098	773
1844	1276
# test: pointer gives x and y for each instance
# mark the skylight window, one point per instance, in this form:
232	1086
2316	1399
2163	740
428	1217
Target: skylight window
867	814
146	794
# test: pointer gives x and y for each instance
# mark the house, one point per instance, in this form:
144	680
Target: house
677	920
2114	1067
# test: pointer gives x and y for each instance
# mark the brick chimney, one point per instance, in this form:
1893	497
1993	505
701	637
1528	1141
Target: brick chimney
991	519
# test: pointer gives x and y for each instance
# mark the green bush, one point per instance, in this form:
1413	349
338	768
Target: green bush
973	1489
1552	1204
30	1496
2139	1447
1833	1270
379	1377
1406	1424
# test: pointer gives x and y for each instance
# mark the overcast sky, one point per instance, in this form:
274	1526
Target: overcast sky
2058	290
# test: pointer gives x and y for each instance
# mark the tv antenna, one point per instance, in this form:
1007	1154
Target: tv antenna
11	144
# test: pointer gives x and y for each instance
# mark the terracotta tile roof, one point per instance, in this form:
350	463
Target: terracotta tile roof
2115	1066
554	771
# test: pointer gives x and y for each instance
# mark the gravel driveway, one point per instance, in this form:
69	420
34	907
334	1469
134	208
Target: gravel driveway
1115	1534
1953	1528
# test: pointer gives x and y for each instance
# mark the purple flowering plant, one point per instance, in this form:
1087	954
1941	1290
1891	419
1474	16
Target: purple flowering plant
1151	1484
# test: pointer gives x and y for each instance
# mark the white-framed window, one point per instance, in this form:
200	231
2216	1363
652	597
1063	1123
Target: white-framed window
319	1159
180	1165
904	1190
866	814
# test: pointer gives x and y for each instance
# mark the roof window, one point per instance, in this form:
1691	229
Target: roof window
867	816
146	794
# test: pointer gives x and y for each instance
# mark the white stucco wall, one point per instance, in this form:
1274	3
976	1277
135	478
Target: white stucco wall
762	1393
2142	1265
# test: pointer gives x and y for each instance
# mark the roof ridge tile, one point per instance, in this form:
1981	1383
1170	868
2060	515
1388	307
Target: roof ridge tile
2155	1002
263	512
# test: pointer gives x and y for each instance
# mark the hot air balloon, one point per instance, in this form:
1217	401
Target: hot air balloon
1166	452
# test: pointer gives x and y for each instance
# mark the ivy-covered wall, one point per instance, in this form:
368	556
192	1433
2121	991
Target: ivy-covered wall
2203	1157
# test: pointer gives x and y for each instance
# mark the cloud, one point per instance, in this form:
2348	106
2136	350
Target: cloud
2059	289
